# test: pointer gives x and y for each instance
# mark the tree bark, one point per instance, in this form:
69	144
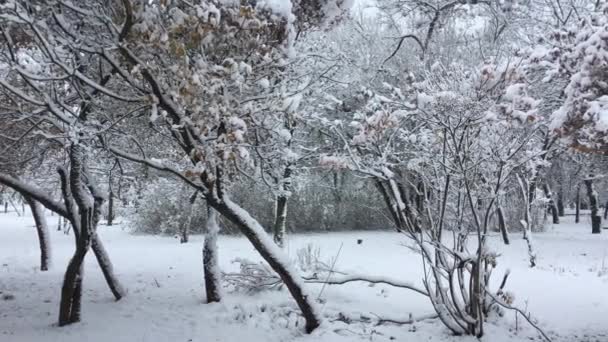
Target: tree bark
210	259
596	219
43	232
271	254
502	225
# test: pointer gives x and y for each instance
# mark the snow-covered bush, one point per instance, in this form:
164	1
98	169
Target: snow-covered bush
163	209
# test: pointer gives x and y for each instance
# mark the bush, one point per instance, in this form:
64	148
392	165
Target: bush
322	203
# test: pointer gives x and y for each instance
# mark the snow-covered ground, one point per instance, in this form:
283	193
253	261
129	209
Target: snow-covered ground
567	292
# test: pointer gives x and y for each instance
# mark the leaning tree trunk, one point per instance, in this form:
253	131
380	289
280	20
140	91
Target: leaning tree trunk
502	225
103	259
43	232
552	204
210	259
596	219
273	255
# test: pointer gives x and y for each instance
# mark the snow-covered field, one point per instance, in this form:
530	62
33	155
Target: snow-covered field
567	292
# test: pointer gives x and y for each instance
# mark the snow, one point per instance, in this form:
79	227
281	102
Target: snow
281	7
566	292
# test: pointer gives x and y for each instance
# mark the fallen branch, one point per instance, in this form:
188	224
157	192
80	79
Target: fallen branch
342	317
365	278
410	320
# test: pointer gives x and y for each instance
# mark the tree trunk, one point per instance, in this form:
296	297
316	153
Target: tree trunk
14	207
68	215
111	207
280	214
596	219
476	310
502	225
103	259
280	219
71	291
526	222
606	211
210	259
43	232
531	192
552	204
76	311
577	217
273	255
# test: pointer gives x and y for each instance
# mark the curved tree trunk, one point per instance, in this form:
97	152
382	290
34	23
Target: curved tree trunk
210	259
43	232
272	254
71	291
67	212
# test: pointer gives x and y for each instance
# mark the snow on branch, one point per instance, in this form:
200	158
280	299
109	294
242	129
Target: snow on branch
35	193
340	280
